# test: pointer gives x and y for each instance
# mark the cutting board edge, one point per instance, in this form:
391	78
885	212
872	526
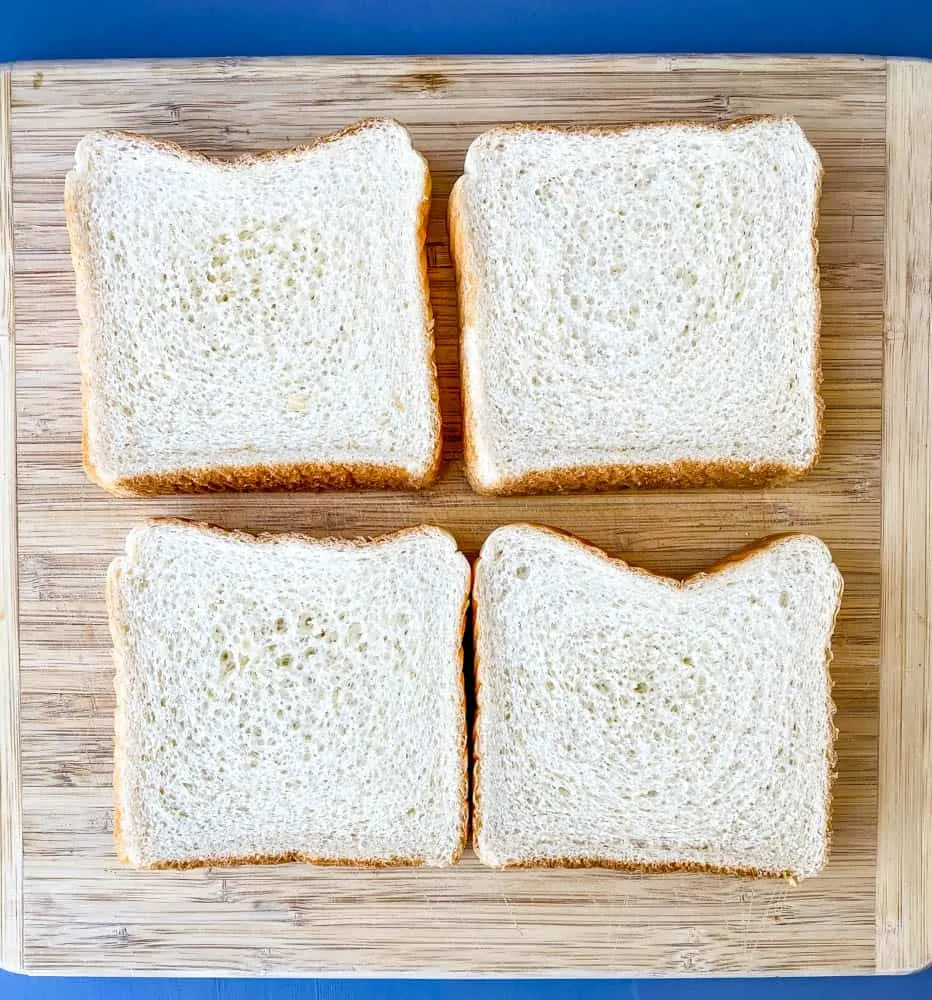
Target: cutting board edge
11	853
623	62
904	858
449	974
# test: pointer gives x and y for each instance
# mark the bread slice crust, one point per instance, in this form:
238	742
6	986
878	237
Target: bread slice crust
119	657
595	478
277	476
741	555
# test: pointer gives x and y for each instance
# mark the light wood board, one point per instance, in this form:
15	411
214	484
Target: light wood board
66	905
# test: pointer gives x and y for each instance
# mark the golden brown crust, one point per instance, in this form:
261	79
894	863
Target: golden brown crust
120	833
283	476
620	127
291	476
464	779
118	839
244	159
465	298
652	867
817	325
733	559
595	478
282	859
474	735
81	257
331	541
673	475
432	472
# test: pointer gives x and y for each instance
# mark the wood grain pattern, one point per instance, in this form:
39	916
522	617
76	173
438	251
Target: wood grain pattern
11	870
904	859
80	910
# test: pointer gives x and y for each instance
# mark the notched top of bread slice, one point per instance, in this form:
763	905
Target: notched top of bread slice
640	305
255	323
284	698
634	721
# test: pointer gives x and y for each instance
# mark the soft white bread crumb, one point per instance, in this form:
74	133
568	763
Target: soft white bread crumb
632	720
287	698
639	306
256	322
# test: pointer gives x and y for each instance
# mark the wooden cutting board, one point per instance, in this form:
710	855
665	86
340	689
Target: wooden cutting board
65	903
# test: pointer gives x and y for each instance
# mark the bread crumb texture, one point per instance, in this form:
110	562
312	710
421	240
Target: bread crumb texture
633	720
267	312
286	698
640	298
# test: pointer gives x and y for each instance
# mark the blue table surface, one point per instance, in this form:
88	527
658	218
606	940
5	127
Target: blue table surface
69	29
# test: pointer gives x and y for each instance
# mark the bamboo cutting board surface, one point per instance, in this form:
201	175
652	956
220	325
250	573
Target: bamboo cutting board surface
65	903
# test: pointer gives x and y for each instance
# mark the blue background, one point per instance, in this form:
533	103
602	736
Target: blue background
67	29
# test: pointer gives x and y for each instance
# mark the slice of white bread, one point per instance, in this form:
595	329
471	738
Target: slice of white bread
283	698
632	721
260	323
639	305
